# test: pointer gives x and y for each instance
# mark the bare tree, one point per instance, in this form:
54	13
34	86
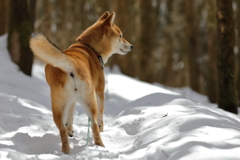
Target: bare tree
167	71
227	94
21	17
147	40
3	17
192	45
212	51
237	24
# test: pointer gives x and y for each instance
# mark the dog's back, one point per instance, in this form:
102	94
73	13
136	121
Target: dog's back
85	66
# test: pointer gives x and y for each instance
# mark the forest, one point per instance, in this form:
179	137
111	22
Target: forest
177	43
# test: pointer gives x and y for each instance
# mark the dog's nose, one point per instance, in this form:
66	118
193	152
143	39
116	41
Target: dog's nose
131	46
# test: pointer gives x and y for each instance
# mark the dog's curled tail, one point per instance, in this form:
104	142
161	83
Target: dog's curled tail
48	52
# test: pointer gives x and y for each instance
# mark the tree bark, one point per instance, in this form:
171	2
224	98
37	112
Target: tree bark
147	41
167	47
3	17
238	44
192	45
19	32
227	94
212	51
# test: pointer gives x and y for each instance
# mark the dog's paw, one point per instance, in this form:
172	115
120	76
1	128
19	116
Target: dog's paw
66	148
98	140
70	130
71	133
100	143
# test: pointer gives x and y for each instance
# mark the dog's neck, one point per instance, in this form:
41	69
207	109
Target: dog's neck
97	54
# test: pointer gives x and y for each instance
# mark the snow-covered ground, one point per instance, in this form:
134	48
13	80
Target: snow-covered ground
142	121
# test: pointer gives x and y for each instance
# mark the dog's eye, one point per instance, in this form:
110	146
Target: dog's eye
121	35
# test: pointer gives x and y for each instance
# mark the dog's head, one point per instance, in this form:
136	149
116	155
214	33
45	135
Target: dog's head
105	37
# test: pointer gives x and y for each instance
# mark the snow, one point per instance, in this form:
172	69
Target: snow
142	121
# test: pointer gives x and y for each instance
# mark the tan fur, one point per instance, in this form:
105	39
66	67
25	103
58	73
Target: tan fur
76	75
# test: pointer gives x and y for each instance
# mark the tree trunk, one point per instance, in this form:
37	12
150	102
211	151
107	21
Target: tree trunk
147	41
19	32
192	45
227	94
167	47
32	11
238	44
3	17
212	51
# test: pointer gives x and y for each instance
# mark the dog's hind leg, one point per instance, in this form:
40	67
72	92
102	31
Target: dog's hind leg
91	102
58	111
69	121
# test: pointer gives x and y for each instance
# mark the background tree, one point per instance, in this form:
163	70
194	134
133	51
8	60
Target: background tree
166	44
191	30
147	40
21	18
212	50
237	47
3	17
227	95
175	27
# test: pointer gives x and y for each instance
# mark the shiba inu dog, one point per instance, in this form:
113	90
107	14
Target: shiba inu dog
76	74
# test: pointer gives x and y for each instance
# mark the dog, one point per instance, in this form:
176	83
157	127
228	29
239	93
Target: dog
76	74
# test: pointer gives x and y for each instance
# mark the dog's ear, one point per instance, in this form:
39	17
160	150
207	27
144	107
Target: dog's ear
104	16
109	20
